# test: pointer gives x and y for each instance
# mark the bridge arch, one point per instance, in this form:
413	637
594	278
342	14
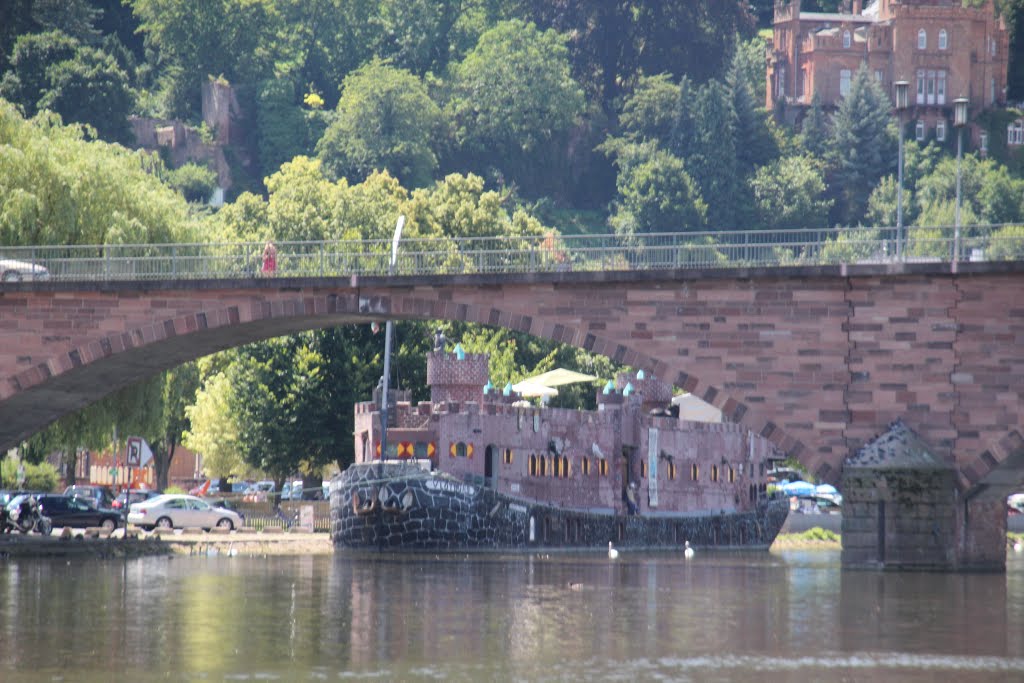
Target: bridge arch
818	360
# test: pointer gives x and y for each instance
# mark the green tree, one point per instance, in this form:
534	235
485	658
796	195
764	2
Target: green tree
28	80
234	39
656	195
863	145
91	88
178	390
789	194
385	121
212	431
813	130
282	130
711	154
651	111
196	183
512	102
56	188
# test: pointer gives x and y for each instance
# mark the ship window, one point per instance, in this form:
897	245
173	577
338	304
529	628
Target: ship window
543	462
714	473
694	472
566	469
508	456
643	469
732	474
460	450
585	465
533	465
602	468
671	471
556	466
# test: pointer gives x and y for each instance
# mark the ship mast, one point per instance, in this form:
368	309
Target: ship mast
387	354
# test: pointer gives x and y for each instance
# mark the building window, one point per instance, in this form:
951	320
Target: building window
643	469
602	467
694	472
922	40
943	39
714	473
566	469
878	75
671	471
585	466
1014	133
919	131
940	131
536	422
992	43
983	140
846	39
533	465
508	457
921	78
732	474
992	91
844	82
782	80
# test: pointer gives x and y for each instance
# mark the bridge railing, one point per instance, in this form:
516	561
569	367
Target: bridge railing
516	254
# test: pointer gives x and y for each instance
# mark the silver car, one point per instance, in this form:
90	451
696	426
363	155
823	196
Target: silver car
12	270
179	511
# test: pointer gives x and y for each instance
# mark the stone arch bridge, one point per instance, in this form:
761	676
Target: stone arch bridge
817	359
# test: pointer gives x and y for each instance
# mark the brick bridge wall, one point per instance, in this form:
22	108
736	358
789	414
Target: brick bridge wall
819	360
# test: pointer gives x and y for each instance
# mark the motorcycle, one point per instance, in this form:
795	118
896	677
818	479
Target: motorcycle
27	518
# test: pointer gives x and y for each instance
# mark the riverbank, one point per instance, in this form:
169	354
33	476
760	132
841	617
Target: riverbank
179	542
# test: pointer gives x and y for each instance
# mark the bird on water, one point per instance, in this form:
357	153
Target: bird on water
613	554
687	550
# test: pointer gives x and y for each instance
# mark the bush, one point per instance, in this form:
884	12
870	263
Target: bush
194	181
41	477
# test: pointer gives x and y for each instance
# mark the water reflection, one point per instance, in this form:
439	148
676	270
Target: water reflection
721	616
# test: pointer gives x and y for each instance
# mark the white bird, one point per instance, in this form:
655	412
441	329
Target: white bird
1018	546
687	550
613	554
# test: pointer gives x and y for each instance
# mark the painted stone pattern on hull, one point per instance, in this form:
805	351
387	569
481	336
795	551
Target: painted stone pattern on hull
445	514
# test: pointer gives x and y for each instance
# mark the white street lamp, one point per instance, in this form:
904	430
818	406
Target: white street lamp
902	92
959	120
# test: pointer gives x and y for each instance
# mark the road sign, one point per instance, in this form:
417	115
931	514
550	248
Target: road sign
138	452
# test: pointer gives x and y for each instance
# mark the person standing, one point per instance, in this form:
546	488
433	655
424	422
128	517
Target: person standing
269	259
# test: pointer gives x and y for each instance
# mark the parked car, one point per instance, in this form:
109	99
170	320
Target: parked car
77	512
12	270
137	496
260	491
101	496
175	510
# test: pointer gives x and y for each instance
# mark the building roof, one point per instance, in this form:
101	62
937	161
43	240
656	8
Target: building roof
898	448
828	16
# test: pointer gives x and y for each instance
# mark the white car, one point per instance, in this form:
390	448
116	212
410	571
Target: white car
174	510
12	270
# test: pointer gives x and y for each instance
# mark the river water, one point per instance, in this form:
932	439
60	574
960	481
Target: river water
721	616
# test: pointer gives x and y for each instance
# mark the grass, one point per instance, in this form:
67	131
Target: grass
812	538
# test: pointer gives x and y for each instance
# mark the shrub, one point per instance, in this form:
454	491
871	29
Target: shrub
194	181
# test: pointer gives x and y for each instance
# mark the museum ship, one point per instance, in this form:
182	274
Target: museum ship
481	468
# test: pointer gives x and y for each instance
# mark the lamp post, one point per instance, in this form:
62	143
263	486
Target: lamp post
902	92
959	120
387	355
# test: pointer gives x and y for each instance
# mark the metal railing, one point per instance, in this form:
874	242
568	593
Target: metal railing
511	254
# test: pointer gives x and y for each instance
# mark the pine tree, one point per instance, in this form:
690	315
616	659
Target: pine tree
813	132
863	143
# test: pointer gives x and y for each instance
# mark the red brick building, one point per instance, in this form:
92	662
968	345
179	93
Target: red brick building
941	48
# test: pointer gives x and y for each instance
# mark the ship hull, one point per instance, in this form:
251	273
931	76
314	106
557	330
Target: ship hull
399	507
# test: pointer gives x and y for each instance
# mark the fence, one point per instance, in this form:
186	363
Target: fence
262	515
508	254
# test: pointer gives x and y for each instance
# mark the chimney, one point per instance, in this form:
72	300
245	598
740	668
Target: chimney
857	7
